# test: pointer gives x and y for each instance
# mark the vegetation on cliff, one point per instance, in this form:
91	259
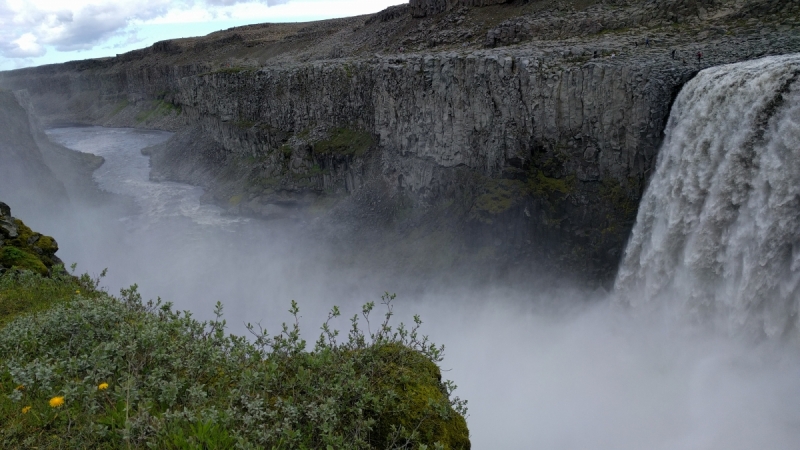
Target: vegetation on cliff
345	141
80	368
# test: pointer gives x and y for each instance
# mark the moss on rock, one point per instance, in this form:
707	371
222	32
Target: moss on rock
346	142
422	402
497	196
24	249
15	258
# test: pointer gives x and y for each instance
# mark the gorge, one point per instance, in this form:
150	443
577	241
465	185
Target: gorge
567	152
536	144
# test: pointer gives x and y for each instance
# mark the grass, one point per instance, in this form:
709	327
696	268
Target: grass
26	292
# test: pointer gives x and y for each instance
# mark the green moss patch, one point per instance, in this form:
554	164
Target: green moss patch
28	251
541	185
236	199
499	196
122	104
159	108
424	404
346	142
16	258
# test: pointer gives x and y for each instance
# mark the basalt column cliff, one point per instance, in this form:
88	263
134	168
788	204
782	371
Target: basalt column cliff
525	128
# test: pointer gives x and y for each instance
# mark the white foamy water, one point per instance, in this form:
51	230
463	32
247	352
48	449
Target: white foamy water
718	231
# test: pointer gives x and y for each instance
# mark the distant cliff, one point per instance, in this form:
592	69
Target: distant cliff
528	128
24	175
37	177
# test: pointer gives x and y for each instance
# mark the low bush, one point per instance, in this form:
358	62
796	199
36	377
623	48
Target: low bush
80	368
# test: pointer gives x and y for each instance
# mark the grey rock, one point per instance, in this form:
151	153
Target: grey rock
424	8
8	228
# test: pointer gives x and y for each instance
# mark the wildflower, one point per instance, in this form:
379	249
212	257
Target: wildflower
77	292
26	409
56	402
102	386
21	387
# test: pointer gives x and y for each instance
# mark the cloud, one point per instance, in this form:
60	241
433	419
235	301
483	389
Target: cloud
233	2
23	47
28	27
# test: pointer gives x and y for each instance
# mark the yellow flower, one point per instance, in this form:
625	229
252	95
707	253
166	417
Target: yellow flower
102	386
21	387
77	292
26	409
56	402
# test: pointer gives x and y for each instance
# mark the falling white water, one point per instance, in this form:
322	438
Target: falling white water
718	230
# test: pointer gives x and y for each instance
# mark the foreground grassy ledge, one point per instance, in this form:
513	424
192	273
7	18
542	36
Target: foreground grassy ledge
80	368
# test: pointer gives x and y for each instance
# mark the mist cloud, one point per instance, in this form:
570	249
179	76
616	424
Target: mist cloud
27	28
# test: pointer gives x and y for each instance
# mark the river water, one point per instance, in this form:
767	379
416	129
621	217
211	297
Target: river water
549	368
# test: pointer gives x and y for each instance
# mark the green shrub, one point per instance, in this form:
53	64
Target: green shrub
141	375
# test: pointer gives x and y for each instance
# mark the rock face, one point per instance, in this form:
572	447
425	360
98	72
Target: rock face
36	176
24	175
541	149
424	8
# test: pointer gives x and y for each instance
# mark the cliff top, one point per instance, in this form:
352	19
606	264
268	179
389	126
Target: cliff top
582	27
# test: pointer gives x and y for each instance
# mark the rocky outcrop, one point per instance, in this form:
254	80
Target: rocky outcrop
23	249
540	149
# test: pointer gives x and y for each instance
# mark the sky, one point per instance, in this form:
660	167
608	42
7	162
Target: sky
37	32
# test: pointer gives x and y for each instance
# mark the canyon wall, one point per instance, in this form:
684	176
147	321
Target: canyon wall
534	150
25	177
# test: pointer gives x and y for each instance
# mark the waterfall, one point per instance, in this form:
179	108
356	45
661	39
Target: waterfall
717	236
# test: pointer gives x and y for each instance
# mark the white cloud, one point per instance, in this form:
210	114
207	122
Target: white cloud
25	46
31	28
28	26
